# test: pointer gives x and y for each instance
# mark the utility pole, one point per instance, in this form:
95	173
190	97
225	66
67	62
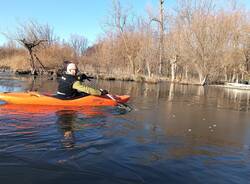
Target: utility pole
160	20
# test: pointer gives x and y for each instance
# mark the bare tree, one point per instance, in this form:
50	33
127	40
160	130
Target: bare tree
30	46
203	43
119	20
204	35
245	40
79	44
33	37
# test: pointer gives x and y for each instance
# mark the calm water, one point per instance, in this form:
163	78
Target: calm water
174	134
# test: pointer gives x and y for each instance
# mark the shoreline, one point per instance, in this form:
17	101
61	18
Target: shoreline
127	78
54	74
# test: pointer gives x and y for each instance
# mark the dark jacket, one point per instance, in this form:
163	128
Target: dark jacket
65	87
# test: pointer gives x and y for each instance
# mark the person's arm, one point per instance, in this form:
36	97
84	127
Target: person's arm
86	89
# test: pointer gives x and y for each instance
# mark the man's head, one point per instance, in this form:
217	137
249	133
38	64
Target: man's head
71	69
65	64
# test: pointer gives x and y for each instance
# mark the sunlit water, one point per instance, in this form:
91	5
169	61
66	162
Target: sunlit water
174	134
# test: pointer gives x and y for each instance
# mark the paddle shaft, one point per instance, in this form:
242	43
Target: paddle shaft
111	97
119	104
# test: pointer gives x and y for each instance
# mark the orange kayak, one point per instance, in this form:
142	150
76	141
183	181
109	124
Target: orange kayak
34	98
41	110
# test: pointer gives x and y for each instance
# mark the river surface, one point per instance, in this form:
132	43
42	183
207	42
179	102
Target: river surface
174	134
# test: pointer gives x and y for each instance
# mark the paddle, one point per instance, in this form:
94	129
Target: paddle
119	104
83	77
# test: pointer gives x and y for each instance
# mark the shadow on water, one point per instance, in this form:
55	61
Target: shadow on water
174	134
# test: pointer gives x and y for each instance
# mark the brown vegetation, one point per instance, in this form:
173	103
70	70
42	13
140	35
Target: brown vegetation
197	43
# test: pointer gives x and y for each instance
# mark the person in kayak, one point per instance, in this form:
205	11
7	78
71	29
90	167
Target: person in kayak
71	87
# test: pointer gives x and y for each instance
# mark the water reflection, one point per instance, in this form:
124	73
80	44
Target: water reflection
172	129
11	82
65	121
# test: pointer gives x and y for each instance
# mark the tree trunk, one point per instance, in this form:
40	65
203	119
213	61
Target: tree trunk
132	64
186	73
148	69
32	63
171	92
247	62
234	76
225	75
200	77
242	76
204	81
173	69
43	67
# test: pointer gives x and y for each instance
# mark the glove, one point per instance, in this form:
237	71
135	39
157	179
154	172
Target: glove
83	77
104	91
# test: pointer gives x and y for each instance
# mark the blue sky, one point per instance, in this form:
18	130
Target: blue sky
67	17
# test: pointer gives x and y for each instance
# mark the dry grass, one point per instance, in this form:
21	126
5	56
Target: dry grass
16	62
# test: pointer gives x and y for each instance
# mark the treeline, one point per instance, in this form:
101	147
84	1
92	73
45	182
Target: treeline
35	49
197	42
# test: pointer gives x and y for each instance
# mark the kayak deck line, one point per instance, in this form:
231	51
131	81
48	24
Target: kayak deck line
35	98
34	94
